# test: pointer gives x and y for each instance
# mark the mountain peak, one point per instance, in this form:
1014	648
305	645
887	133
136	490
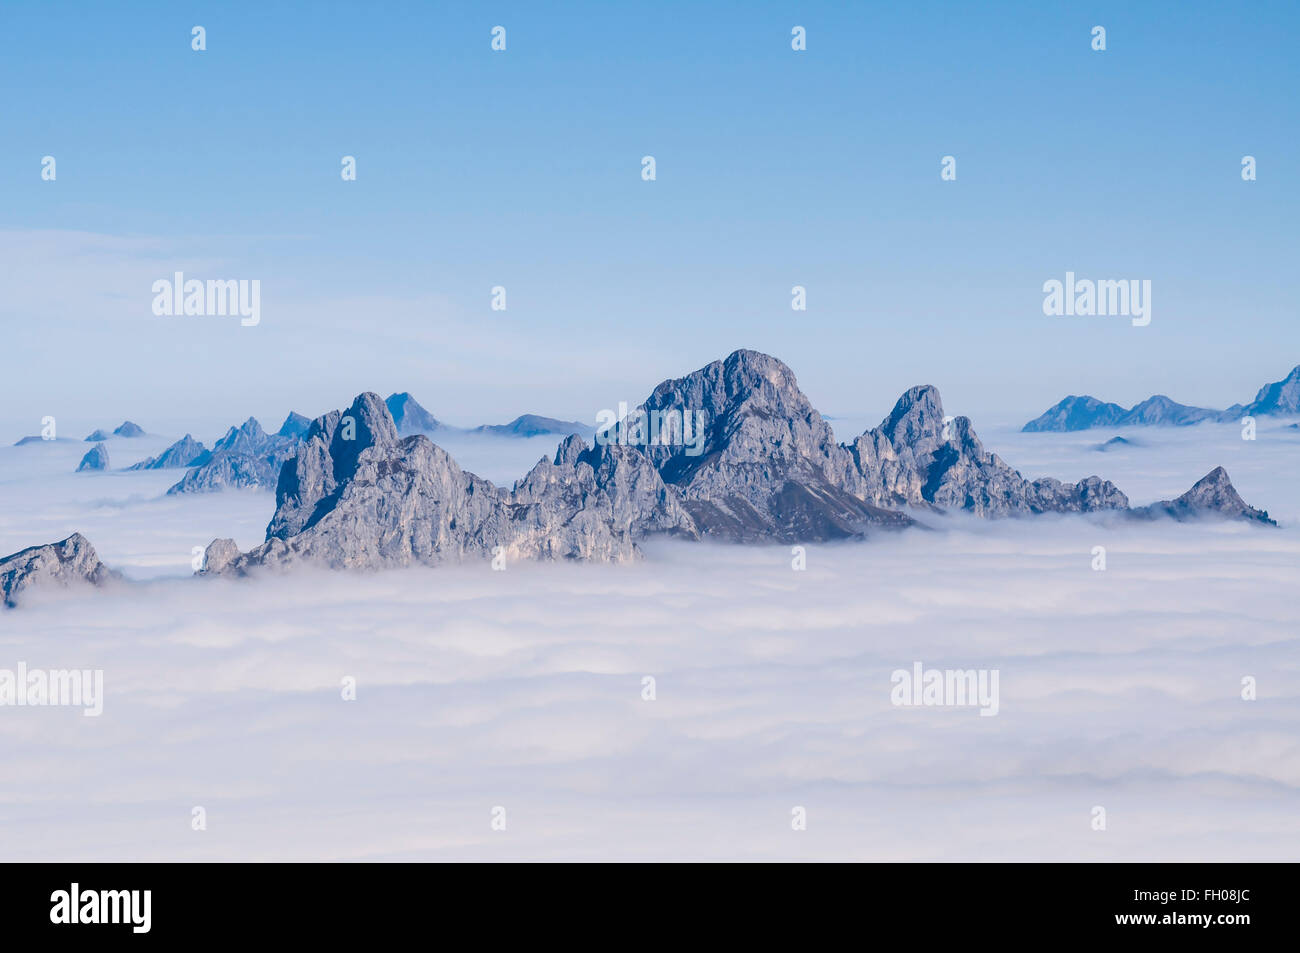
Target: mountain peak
295	425
71	560
1076	413
535	425
408	416
918	414
1280	397
1213	495
96	458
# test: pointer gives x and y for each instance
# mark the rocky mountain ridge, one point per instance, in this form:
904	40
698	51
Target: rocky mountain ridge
762	467
733	451
67	562
1280	398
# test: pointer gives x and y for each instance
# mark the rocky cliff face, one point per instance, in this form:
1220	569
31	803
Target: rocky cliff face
766	467
613	485
96	458
916	459
1212	497
735	452
64	563
356	495
1281	397
247	457
186	452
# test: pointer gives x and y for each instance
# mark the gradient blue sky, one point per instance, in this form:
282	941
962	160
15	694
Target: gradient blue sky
522	169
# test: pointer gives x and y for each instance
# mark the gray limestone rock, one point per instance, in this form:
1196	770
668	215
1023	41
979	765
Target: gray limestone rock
96	458
1212	497
357	494
915	458
64	563
246	457
186	452
219	555
767	467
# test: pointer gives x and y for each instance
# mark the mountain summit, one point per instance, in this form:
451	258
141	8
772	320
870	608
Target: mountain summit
766	467
409	417
733	451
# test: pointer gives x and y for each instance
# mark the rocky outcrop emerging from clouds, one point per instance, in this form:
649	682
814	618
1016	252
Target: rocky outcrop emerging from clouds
1076	413
736	452
96	458
766	467
409	417
916	458
246	457
1280	398
1083	413
361	496
125	429
1212	497
610	486
531	425
186	452
1160	411
64	563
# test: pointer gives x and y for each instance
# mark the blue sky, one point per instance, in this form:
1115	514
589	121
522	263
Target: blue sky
522	169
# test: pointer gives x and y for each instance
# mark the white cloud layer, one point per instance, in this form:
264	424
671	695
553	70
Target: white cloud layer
522	689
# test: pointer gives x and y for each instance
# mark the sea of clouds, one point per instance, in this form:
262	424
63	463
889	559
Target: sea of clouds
523	689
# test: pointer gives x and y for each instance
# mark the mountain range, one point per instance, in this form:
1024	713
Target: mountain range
354	492
1281	398
125	429
767	469
410	418
249	458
